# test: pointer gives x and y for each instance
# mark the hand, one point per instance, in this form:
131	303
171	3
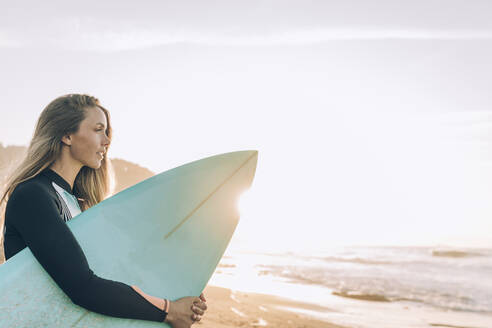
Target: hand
186	311
199	308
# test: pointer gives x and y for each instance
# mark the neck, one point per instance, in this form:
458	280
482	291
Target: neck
67	168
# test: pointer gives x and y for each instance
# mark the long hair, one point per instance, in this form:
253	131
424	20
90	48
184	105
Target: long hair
63	116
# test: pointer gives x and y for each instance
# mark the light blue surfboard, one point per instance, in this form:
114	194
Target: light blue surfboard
165	234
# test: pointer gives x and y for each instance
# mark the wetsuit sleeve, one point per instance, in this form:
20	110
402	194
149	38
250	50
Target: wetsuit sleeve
35	215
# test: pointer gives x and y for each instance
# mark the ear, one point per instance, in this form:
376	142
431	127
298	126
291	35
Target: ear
67	140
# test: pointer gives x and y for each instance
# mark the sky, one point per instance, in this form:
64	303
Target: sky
372	119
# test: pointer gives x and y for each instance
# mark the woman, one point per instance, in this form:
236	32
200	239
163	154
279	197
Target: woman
66	171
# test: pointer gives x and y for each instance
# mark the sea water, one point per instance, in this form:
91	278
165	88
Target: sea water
443	284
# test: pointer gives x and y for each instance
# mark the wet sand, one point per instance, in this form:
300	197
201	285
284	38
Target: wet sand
228	308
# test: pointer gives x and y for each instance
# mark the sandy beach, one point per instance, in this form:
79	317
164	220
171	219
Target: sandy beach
228	308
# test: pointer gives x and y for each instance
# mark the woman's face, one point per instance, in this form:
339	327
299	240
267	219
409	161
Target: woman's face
90	143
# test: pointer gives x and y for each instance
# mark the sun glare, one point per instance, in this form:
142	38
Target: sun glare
243	202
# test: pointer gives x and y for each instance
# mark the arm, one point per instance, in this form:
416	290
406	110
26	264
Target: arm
35	215
157	302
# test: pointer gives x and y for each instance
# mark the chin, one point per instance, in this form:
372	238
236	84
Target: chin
94	165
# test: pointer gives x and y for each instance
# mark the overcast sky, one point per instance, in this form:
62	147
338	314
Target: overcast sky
372	118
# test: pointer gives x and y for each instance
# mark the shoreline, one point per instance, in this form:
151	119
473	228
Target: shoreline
232	308
228	308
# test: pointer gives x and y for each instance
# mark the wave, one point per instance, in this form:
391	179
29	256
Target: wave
447	325
381	288
436	299
362	296
226	265
357	260
438	276
454	253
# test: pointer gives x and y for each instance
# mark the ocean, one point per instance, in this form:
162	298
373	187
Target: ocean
453	282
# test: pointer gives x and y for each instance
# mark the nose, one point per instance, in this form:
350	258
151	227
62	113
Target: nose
106	141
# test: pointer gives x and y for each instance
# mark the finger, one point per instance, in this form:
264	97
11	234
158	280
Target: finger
201	305
202	297
196	309
196	317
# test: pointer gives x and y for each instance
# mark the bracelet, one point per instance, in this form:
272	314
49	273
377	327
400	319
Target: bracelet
166	305
166	308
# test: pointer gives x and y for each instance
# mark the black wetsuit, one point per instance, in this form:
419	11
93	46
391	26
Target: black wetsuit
36	217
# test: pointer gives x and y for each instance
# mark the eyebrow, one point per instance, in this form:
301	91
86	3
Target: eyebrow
101	124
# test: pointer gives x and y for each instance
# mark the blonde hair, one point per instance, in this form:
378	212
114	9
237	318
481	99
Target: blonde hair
61	117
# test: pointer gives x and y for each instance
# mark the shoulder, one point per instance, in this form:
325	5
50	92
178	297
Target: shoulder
30	199
35	188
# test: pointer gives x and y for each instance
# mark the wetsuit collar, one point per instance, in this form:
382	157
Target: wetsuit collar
53	176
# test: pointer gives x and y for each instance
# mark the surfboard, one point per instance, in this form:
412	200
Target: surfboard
166	235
